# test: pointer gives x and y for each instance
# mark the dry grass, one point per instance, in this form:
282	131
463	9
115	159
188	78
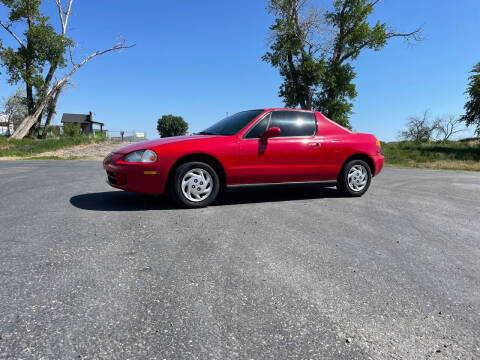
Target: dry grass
448	155
29	147
468	165
58	149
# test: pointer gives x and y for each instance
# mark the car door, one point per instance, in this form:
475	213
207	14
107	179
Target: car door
293	156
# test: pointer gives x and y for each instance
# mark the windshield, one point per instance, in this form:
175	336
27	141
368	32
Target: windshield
232	124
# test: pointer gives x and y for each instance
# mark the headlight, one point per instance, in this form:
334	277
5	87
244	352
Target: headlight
144	156
107	158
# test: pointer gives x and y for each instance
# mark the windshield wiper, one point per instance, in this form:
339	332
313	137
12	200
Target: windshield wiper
205	133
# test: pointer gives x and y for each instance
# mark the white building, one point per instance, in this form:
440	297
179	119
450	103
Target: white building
6	128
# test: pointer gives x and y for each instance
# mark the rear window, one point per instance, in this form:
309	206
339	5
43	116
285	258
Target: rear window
294	123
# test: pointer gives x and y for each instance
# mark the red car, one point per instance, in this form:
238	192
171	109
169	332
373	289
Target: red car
267	146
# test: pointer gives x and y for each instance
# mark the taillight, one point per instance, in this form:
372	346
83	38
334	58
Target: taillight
379	147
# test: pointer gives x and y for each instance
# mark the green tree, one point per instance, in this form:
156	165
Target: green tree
40	45
472	106
71	129
314	52
170	125
294	52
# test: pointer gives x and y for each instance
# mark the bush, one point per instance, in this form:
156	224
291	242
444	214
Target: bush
99	135
438	154
72	129
53	130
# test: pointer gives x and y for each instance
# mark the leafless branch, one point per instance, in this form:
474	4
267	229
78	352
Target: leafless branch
419	128
119	46
6	27
448	125
64	15
310	28
67	14
59	84
28	122
70	52
313	31
60	13
416	35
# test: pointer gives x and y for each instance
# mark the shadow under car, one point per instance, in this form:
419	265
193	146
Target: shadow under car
127	201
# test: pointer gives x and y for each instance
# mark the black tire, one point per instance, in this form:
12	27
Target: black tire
342	183
177	194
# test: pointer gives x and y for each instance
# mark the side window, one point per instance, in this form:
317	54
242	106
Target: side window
259	129
294	123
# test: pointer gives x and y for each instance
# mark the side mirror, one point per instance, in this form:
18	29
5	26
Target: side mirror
270	133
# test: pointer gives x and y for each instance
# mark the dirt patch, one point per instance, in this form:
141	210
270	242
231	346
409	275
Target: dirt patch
96	151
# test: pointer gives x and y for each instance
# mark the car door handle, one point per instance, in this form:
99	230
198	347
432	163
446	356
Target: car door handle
314	144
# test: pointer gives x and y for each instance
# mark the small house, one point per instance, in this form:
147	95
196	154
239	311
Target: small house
86	122
6	127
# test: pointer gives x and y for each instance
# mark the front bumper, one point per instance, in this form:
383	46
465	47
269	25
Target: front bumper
378	162
143	178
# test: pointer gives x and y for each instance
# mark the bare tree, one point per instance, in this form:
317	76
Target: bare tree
15	108
51	106
448	125
29	121
419	128
49	90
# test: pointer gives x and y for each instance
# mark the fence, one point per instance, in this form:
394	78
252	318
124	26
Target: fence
128	136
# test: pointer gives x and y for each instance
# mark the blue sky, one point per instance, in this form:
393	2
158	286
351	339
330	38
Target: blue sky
201	60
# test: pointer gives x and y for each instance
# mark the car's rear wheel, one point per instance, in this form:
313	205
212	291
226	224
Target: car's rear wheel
194	185
355	178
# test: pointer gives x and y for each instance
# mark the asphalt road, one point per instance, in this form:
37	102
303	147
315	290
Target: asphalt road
89	272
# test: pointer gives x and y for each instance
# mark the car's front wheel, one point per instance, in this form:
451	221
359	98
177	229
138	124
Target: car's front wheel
194	185
355	178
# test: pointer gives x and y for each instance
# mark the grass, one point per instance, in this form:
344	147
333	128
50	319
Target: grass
56	158
450	155
28	147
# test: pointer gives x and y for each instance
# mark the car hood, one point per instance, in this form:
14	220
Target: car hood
158	142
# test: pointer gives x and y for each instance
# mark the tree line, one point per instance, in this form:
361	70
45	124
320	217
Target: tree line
313	50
